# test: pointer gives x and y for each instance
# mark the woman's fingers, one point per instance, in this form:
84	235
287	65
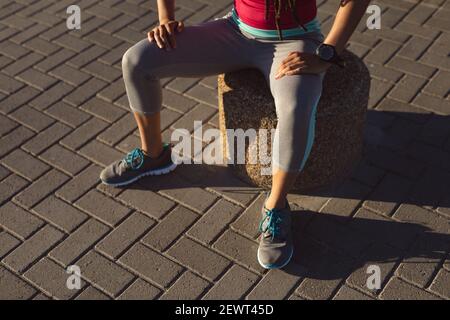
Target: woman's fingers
164	37
158	38
180	26
291	56
293	72
169	31
289	69
164	34
151	36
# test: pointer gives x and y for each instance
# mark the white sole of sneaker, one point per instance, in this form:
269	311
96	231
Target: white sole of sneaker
277	266
156	172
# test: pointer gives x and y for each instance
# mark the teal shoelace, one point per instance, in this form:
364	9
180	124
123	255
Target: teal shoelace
273	224
134	159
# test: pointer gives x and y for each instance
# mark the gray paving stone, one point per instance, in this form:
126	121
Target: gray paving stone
32	118
70	75
214	221
348	293
85	92
91	293
51	96
36	79
67	114
46	138
151	265
392	189
14	288
233	285
170	228
102	109
6	125
119	130
187	287
110	212
201	259
26	62
14	139
79	184
86	56
41	46
147	202
359	277
397	289
33	248
195	198
83	134
102	71
60	214
419	269
177	102
100	153
19	99
79	242
10	186
441	284
275	285
51	278
24	164
8	243
415	214
63	159
41	188
140	290
240	249
18	221
124	235
104	273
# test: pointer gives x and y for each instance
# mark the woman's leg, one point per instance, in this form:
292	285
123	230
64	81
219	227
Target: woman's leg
282	183
206	49
296	98
150	133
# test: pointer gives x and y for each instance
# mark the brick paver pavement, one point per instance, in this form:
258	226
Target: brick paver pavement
191	234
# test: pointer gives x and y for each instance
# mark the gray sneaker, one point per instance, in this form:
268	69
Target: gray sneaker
136	165
275	246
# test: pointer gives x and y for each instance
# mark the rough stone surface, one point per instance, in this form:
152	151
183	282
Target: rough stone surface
245	102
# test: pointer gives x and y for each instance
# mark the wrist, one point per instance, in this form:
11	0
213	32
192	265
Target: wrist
337	46
328	54
165	20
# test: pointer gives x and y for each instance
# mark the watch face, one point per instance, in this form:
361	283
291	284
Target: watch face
326	52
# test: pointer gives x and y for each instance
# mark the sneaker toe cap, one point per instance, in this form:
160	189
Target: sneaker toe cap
274	258
108	175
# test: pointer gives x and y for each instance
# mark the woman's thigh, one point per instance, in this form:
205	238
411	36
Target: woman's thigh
205	49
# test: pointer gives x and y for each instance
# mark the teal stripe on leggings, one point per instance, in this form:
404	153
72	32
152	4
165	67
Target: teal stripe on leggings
311	134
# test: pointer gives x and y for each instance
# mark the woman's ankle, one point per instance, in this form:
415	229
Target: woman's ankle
154	151
273	202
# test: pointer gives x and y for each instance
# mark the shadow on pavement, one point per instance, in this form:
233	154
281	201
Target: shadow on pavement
329	247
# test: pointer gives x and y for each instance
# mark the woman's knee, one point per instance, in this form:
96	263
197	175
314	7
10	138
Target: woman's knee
133	59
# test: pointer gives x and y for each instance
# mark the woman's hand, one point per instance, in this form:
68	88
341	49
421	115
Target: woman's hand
164	34
299	63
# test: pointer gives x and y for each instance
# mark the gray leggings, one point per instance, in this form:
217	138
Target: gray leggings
219	46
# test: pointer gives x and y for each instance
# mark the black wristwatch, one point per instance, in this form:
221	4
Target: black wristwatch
328	53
